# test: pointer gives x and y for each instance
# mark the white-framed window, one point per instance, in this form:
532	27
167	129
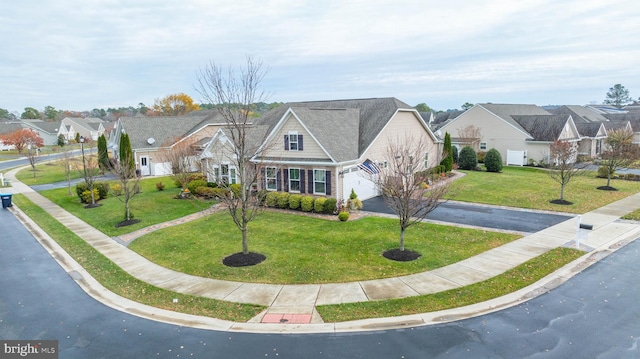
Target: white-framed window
319	181
293	141
271	177
294	180
227	174
483	146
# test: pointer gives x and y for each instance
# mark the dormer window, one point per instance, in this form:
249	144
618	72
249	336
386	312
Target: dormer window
293	141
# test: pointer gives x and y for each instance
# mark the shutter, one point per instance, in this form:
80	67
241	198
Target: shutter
278	182
286	143
302	184
328	183
263	178
285	175
299	142
310	172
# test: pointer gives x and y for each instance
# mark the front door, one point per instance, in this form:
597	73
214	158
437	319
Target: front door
144	165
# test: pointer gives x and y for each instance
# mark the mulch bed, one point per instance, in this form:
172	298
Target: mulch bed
127	223
401	256
563	202
607	188
243	260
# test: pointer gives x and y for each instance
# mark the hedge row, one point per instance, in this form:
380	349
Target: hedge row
298	202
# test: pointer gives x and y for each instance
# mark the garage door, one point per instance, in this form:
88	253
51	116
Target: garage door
356	179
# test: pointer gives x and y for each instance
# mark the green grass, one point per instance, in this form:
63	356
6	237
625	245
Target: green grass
508	282
527	187
118	281
150	207
301	249
50	172
635	215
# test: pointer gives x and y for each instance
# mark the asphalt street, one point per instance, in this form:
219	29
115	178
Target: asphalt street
481	216
595	314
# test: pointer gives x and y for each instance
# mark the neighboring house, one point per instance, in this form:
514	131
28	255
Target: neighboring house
632	117
522	133
150	136
591	136
48	130
89	127
7	128
324	148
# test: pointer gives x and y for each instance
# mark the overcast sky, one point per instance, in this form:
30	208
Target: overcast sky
86	54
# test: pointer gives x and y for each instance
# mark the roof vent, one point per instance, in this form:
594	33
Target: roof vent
151	140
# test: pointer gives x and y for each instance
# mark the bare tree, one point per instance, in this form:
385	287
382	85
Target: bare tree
89	169
181	158
620	152
404	185
469	135
563	166
238	92
129	187
65	161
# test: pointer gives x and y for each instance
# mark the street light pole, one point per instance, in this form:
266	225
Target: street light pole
84	166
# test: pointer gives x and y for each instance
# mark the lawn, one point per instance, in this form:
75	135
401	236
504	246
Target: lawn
301	249
528	187
508	282
150	207
120	282
50	172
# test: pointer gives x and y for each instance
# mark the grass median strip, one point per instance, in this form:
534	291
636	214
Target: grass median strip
508	282
118	281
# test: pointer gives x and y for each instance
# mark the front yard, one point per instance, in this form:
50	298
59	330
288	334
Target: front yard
302	250
527	187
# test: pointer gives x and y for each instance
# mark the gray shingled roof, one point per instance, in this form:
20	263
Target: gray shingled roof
632	116
46	126
542	127
332	128
374	114
10	127
588	129
579	114
507	111
164	129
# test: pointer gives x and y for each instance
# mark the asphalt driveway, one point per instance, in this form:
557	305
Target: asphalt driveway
519	220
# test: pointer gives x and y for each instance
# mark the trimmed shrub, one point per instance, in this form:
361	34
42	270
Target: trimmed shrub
236	189
493	161
262	196
283	200
85	197
468	159
271	199
603	172
447	162
343	216
330	205
212	184
353	194
294	201
103	189
307	203
193	185
318	205
219	192
454	154
160	186
80	188
355	204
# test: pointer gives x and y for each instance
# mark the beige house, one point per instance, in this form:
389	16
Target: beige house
325	148
89	127
150	136
521	133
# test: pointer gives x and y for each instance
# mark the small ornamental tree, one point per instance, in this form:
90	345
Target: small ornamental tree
619	152
447	160
454	154
563	166
468	160
493	161
126	153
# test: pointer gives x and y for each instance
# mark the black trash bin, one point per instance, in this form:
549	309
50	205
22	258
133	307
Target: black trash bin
6	200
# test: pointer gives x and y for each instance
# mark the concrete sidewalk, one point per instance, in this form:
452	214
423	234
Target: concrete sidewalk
295	304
